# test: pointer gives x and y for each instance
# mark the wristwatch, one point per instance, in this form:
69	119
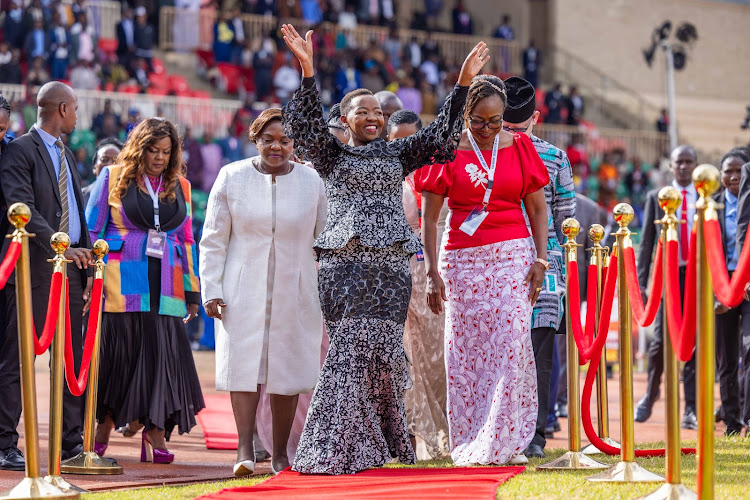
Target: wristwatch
543	262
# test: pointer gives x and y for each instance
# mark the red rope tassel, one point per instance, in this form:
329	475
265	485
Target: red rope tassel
9	264
729	293
644	316
77	385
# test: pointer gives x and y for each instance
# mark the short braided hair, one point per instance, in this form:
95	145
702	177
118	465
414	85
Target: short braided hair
483	86
4	104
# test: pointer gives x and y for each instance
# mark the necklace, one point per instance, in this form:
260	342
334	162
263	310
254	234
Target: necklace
260	168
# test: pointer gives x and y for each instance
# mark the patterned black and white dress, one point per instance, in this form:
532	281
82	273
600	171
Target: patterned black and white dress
356	418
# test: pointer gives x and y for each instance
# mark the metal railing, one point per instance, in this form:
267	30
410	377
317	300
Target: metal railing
453	48
104	15
200	114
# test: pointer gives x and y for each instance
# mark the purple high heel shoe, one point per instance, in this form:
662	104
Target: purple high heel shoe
100	448
151	454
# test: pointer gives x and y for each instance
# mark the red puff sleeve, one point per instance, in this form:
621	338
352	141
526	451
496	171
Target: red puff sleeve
436	178
535	175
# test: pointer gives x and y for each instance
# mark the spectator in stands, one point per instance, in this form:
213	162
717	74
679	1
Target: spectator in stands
389	104
11	72
58	40
5	53
371	78
35	44
347	79
82	165
311	11
262	65
462	23
266	8
413	53
212	158
637	184
140	73
97	124
431	70
83	40
223	38
429	100
430	47
13	26
83	76
186	19
393	48
105	154
239	35
575	106
134	118
662	124
191	153
532	59
409	95
505	32
347	18
554	101
113	72
37	74
126	37
144	37
286	80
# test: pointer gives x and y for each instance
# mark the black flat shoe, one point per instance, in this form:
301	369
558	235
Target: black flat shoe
12	459
534	451
643	410
73	452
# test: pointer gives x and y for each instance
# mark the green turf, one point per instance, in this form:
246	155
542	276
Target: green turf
732	479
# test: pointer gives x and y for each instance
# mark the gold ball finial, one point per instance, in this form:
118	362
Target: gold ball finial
596	233
623	214
670	199
571	228
706	179
59	242
100	249
19	214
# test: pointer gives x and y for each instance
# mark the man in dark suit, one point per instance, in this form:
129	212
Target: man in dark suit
732	325
126	38
37	169
682	162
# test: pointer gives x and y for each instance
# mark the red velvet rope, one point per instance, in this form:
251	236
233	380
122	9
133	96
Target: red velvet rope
595	355
729	293
6	268
77	385
681	327
50	323
644	316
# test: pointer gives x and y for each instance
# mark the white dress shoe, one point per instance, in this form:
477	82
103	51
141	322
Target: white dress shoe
244	468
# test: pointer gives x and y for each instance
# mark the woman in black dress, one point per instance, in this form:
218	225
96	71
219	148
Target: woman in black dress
356	418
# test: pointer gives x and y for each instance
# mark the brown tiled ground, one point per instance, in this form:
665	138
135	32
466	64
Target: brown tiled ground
194	463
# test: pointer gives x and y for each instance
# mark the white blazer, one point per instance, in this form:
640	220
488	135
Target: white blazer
234	252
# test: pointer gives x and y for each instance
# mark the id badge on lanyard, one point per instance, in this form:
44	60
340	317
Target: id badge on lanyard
478	214
156	240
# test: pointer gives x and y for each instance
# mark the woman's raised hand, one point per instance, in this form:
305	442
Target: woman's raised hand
473	64
302	48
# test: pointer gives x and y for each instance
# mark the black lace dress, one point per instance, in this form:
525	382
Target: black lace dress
356	418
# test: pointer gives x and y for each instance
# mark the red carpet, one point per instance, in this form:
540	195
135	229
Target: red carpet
460	483
217	422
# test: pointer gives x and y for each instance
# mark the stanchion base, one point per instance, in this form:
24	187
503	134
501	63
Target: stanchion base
627	472
63	484
593	450
670	491
88	462
572	460
36	487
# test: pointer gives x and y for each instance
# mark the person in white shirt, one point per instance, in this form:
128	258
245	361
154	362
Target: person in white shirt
285	81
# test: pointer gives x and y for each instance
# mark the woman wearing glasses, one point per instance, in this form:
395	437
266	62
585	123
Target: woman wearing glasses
490	274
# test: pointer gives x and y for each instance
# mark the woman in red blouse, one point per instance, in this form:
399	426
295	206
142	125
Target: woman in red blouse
489	275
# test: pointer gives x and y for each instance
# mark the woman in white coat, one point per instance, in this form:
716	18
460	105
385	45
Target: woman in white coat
260	283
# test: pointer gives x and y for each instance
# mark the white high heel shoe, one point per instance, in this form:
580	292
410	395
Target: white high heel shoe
519	459
244	468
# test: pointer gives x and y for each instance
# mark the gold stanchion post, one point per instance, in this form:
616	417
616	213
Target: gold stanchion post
573	459
706	180
59	243
33	485
88	462
627	470
673	489
598	255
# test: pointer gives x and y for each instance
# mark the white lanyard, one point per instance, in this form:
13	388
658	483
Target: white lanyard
154	198
490	170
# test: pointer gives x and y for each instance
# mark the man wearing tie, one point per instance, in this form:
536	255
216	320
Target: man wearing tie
732	325
682	162
36	170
